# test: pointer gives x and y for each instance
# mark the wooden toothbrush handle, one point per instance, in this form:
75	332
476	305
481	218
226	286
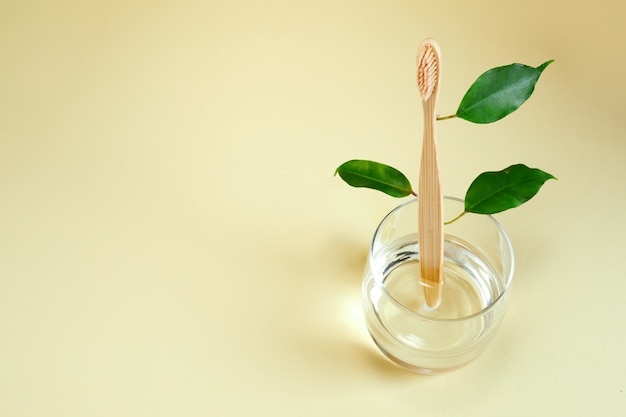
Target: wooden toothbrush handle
430	202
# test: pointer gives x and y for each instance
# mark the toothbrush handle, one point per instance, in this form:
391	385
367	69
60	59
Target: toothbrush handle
430	202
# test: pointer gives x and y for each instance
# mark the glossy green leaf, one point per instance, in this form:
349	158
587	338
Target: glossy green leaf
493	192
499	92
370	174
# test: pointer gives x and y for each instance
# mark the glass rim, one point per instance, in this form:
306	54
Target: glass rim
505	290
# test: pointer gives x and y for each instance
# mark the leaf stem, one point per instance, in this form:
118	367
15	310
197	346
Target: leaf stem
456	218
452	116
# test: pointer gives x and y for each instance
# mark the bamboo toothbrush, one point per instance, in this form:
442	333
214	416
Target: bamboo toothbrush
429	192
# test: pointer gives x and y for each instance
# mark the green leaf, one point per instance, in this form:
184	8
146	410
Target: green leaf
499	92
370	174
493	192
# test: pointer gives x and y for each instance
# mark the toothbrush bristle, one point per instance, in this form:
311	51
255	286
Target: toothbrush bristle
427	70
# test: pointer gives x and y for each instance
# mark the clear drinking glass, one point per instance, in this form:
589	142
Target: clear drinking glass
477	274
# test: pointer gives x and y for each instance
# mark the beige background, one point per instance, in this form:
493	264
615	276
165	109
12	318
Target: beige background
173	241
